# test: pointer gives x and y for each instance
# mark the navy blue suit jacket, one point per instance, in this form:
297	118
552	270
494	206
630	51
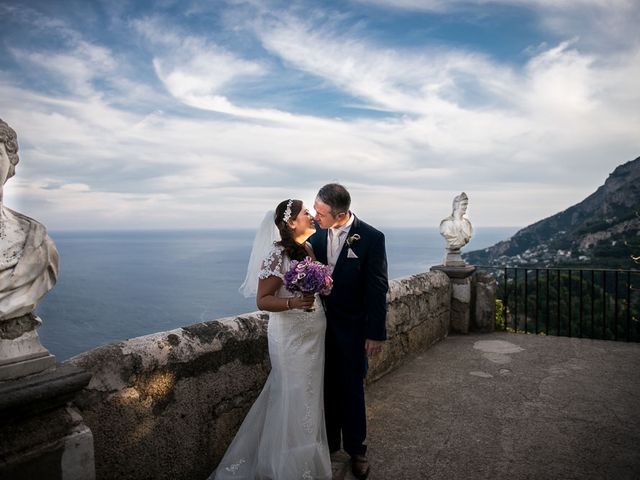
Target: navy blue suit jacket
359	295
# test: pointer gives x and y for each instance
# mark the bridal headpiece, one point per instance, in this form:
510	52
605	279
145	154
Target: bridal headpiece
287	211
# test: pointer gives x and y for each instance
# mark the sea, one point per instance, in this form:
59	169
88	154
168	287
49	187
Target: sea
115	285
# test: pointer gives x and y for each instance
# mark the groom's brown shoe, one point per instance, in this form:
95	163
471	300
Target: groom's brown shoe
360	467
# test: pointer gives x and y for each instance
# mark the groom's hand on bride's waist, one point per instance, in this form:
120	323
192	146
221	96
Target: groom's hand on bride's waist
373	347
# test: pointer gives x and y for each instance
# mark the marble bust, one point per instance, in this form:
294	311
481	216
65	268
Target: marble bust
28	267
456	230
28	257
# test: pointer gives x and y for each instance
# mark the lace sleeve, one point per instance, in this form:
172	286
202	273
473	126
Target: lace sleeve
273	264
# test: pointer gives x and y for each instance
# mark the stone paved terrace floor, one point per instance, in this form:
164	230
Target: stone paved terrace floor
508	406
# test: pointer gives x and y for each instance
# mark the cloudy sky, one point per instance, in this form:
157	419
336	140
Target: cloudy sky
204	114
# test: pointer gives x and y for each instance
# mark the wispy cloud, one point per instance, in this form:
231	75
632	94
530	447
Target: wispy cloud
190	66
208	119
511	111
75	71
556	5
600	24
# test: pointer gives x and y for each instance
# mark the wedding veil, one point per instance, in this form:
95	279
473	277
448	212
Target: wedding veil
266	235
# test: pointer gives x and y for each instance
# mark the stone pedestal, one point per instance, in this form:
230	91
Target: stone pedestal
21	352
484	302
460	295
42	434
453	259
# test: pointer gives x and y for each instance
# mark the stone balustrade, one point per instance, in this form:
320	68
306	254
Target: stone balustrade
166	405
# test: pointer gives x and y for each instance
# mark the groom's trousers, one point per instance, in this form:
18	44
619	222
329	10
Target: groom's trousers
345	411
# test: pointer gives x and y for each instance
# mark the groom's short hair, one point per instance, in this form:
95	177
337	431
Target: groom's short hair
336	196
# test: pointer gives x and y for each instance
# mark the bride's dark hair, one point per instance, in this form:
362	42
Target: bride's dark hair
294	250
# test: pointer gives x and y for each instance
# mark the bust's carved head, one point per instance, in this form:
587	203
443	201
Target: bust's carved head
460	204
9	140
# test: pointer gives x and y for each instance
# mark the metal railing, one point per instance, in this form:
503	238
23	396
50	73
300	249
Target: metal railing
597	303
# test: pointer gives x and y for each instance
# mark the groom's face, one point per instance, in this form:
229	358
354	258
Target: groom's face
323	215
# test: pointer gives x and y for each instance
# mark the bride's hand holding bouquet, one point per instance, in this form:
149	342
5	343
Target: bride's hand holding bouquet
303	302
308	277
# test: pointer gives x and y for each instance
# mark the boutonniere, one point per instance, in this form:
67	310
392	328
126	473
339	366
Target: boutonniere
353	238
350	241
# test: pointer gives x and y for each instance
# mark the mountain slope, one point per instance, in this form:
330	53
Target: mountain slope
601	231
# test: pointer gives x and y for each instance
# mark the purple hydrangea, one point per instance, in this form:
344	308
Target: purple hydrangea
308	276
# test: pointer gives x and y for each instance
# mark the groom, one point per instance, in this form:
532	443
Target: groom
356	312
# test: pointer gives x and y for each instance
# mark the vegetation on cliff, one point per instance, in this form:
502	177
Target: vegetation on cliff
602	231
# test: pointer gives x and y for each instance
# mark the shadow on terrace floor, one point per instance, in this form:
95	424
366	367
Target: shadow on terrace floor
508	406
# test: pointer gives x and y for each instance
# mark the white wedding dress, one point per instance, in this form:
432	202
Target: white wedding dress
283	436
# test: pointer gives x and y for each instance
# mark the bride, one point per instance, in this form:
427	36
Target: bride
283	436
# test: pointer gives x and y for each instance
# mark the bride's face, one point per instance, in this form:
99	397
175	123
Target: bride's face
303	223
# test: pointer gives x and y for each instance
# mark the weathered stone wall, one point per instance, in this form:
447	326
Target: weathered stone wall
165	406
418	316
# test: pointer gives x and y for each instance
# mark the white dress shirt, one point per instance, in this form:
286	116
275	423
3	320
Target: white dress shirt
335	241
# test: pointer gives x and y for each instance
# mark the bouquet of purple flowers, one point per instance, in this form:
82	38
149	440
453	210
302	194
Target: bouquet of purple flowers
308	276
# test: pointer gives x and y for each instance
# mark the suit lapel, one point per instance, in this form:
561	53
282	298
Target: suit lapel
321	254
